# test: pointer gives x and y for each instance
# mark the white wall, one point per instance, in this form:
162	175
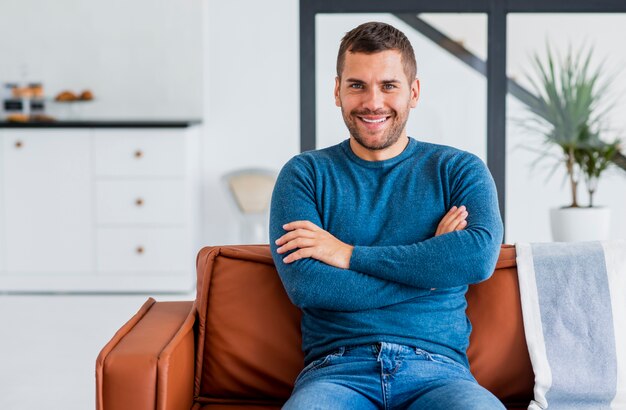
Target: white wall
252	99
141	58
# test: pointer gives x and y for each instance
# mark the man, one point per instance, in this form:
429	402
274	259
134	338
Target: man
376	240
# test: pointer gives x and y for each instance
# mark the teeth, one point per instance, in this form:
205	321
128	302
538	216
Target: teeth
374	121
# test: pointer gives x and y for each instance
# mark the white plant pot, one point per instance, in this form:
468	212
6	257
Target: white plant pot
580	224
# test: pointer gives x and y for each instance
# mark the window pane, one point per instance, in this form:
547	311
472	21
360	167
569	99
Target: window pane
531	192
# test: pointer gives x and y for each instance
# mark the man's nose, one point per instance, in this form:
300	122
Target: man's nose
373	99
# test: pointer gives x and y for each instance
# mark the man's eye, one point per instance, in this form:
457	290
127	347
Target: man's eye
356	86
389	86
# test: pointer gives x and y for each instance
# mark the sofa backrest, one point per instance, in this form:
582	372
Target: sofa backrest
497	352
249	332
249	341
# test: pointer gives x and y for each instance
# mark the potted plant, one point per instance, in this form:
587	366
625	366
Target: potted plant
570	111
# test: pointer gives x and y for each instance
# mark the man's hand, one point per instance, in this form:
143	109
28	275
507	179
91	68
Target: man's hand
454	220
311	241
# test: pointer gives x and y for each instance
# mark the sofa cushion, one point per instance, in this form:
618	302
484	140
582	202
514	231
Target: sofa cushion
249	341
497	352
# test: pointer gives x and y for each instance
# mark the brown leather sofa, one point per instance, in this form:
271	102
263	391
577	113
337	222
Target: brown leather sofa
238	345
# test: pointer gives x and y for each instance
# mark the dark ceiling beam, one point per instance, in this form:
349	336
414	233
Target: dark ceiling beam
465	6
565	6
399	6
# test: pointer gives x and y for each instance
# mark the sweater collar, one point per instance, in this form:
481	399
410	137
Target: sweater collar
407	152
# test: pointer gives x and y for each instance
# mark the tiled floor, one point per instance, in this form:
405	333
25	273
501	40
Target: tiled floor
49	345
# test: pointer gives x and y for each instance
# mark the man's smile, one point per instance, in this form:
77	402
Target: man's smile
374	120
374	123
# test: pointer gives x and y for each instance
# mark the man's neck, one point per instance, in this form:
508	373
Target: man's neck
382	154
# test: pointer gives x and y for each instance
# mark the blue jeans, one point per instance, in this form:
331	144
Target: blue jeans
388	376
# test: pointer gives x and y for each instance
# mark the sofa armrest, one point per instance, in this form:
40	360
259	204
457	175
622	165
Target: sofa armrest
149	362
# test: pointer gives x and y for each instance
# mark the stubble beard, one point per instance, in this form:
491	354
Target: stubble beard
390	136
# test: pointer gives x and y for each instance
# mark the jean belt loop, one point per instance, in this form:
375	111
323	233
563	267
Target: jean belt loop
379	347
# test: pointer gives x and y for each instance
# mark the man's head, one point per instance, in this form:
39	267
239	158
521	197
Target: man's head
374	37
376	88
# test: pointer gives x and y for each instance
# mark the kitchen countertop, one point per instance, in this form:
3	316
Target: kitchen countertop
100	123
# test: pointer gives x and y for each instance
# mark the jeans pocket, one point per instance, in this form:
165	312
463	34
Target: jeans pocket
441	359
319	364
438	358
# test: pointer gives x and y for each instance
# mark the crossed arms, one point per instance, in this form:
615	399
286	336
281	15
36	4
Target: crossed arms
308	240
325	273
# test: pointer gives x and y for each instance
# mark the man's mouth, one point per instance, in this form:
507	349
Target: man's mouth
373	120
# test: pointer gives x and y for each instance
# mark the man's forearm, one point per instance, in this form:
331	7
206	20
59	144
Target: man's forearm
314	284
455	259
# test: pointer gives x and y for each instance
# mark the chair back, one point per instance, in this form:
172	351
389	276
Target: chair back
250	191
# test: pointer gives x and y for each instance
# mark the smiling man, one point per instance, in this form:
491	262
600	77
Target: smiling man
377	239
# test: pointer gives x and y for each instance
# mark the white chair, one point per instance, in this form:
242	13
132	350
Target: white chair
250	192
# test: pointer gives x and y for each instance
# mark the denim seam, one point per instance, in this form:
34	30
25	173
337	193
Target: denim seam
437	358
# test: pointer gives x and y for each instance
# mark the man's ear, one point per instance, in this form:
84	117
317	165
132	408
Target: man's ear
337	84
415	92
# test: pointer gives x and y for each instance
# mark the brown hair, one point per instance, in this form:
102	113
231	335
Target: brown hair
374	37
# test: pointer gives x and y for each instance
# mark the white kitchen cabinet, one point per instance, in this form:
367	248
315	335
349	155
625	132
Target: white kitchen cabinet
98	209
47	202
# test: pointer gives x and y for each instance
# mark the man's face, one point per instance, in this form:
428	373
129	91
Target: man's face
375	97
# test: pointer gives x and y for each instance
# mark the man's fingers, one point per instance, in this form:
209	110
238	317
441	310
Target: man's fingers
459	222
296	243
297	233
452	214
452	220
448	216
300	225
459	218
299	254
461	225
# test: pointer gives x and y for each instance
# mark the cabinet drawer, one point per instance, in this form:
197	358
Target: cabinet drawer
161	202
145	250
140	153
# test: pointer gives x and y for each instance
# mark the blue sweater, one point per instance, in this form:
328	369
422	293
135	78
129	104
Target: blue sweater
389	210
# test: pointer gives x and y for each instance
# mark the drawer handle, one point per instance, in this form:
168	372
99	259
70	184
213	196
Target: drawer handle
140	250
139	202
19	144
138	154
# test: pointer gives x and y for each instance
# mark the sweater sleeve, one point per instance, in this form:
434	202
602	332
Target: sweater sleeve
454	259
313	284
